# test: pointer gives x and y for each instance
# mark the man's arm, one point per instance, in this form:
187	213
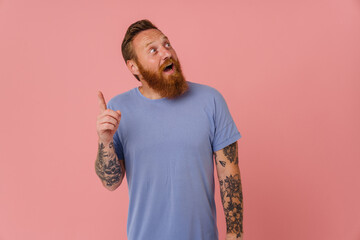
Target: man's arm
228	172
110	170
108	167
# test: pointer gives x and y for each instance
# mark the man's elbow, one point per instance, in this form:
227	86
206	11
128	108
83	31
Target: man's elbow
111	183
113	186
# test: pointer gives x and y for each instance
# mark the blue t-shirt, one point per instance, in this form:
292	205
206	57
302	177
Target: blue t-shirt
168	146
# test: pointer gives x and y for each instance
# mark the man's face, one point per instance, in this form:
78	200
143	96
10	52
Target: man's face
158	64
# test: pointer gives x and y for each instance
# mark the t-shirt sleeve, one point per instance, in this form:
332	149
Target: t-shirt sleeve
116	138
225	131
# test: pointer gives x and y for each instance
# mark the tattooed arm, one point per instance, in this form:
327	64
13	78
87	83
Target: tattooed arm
228	171
108	167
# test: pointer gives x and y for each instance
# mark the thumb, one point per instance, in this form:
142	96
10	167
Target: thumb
118	111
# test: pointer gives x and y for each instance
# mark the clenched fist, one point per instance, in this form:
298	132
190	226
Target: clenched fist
107	121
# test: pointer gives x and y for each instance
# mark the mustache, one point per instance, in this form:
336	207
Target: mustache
166	63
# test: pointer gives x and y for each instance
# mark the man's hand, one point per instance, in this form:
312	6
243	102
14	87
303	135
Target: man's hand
107	121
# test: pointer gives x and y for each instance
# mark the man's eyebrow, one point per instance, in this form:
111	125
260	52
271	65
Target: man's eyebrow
164	37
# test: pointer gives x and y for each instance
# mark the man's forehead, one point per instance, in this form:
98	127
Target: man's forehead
150	41
147	37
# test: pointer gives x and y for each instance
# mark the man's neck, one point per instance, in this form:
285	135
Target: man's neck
148	92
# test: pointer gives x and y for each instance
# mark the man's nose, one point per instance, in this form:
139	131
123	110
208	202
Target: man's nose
165	53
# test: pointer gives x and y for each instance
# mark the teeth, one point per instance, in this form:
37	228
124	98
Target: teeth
168	67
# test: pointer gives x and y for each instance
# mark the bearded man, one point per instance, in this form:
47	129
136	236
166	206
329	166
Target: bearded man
171	132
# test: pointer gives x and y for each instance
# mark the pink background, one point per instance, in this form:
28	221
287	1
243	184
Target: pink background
289	71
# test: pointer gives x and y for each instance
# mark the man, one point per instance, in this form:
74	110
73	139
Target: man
169	132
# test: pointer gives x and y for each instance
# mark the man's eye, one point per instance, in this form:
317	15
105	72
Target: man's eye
168	44
152	50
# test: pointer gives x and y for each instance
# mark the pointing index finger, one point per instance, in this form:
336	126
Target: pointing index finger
102	103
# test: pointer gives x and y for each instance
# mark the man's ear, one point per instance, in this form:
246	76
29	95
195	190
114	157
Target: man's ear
132	66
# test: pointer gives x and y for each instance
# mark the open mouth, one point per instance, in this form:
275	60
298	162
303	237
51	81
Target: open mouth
169	67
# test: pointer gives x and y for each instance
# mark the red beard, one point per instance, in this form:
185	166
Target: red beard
170	86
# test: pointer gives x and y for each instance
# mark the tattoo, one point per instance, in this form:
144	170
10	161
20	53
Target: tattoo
230	153
223	163
232	200
107	166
